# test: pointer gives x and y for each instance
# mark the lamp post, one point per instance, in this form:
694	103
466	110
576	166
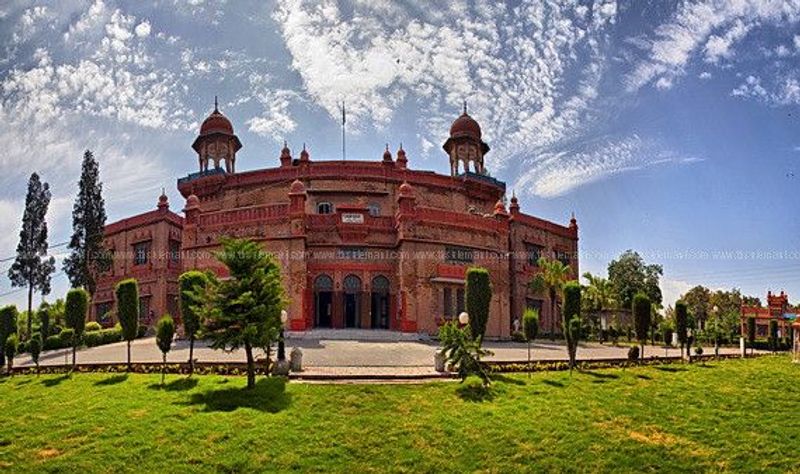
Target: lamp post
281	345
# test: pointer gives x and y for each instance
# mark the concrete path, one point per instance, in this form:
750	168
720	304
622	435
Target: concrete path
356	356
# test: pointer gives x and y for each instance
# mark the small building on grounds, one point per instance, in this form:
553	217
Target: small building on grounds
361	244
146	247
777	309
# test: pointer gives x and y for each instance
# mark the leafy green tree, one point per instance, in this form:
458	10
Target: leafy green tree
35	348
8	326
629	275
245	308
76	306
462	350
32	268
698	302
165	331
681	324
128	311
599	294
751	332
572	311
88	257
641	318
11	345
552	277
530	327
478	298
191	282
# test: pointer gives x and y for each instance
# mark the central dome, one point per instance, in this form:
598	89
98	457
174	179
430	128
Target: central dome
465	126
216	123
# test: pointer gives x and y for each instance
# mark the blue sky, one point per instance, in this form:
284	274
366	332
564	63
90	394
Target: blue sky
672	128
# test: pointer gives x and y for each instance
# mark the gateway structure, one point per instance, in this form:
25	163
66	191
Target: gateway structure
362	244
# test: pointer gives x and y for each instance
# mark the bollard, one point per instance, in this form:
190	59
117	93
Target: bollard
296	360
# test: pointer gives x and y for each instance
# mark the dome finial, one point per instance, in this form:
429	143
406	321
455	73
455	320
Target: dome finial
465	107
216	105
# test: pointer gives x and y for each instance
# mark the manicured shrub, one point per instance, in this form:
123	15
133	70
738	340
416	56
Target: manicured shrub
478	298
667	337
35	348
165	331
93	326
530	326
67	337
53	342
127	292
698	351
8	326
10	350
641	318
75	308
190	283
751	332
633	354
44	320
773	335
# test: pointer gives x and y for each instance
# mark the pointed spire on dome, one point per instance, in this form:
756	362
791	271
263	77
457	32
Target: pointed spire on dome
304	156
514	207
402	161
387	155
163	201
573	223
286	155
465	107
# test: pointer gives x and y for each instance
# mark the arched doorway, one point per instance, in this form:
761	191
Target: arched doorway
380	302
323	301
352	305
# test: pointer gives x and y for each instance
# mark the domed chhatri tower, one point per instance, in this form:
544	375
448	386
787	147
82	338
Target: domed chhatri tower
217	142
465	145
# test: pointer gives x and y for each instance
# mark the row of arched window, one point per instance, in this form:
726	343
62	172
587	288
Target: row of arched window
352	284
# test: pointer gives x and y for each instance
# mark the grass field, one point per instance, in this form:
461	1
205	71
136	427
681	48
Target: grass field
733	415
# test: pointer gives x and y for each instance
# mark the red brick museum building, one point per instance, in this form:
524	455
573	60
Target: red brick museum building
362	244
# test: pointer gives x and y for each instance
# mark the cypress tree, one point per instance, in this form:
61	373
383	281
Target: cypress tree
88	257
191	282
32	268
751	332
681	321
8	326
479	297
128	311
641	318
76	307
165	331
571	311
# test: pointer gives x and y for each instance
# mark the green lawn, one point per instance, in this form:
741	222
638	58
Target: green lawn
734	415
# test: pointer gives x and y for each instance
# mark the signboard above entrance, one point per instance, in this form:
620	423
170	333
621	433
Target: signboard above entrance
352	218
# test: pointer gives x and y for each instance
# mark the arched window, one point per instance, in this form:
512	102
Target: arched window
374	209
352	284
324	208
380	284
323	283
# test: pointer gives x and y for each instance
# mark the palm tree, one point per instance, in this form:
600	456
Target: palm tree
551	278
600	294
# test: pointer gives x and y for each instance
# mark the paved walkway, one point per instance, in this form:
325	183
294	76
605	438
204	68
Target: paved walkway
400	355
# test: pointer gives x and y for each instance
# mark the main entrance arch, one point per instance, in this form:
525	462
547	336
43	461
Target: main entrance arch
352	303
380	302
323	301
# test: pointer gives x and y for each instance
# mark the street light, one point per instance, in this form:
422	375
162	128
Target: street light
463	318
281	345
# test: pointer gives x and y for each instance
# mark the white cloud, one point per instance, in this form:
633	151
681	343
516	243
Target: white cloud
672	290
143	29
275	121
705	75
711	26
552	174
782	91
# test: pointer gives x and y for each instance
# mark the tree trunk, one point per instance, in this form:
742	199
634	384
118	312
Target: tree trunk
529	358
251	372
74	349
552	315
163	367
641	352
191	355
30	310
129	356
